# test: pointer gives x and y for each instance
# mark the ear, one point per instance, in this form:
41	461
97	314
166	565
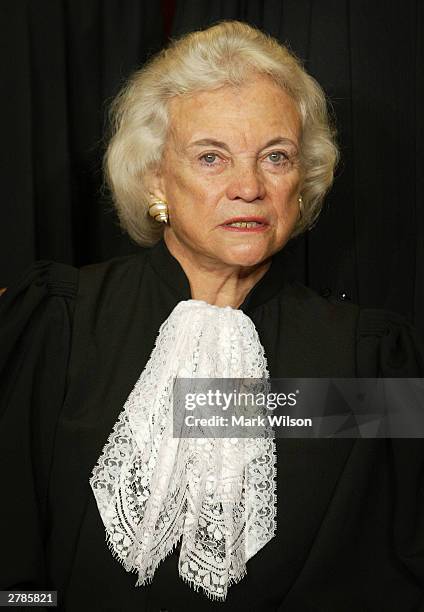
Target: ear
154	182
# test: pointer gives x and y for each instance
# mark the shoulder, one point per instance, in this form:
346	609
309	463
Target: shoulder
329	318
318	332
44	287
48	287
329	306
114	266
108	288
45	278
384	343
36	315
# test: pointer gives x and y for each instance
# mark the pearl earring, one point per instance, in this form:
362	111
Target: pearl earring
158	209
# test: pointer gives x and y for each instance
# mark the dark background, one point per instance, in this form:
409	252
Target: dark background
63	61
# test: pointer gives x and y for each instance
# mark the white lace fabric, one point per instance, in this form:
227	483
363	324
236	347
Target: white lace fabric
218	495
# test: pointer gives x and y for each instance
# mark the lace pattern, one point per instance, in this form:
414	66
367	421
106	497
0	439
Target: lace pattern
217	495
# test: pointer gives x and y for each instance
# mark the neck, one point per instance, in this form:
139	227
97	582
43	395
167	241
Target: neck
215	282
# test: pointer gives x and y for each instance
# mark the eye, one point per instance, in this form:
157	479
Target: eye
277	157
209	158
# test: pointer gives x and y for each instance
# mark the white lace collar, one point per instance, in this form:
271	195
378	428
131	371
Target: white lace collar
218	495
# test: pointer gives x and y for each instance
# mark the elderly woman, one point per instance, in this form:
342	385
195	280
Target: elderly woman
221	153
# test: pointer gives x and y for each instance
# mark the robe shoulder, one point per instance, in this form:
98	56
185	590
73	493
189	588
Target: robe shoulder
36	312
386	343
38	306
37	316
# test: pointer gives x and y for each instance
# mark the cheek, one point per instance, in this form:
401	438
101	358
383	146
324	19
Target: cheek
185	188
188	205
192	199
285	196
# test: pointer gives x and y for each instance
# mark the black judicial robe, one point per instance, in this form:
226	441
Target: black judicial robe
350	522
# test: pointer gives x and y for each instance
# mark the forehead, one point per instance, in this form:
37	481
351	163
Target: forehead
257	110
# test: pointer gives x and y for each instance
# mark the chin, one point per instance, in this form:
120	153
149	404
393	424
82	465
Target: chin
245	255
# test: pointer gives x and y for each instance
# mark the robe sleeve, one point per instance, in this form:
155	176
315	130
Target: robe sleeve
389	346
35	339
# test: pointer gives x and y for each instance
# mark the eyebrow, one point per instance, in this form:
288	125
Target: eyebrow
211	142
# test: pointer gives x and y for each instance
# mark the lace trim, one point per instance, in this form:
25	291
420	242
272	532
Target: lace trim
218	495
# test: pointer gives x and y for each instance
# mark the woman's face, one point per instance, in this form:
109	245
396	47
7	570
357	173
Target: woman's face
232	156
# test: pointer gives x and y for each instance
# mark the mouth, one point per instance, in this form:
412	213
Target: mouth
245	224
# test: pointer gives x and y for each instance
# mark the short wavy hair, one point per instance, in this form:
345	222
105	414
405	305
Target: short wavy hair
225	54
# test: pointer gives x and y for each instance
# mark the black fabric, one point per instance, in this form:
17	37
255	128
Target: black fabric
350	512
64	60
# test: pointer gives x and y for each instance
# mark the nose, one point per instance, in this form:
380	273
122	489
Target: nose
246	183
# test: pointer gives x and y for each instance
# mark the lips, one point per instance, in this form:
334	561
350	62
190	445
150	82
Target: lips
245	224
